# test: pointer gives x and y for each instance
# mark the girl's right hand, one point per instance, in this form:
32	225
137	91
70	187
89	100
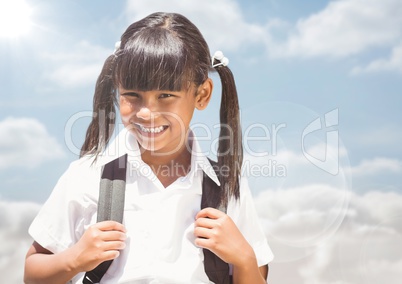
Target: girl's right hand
100	242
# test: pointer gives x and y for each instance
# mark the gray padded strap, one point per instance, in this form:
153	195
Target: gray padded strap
111	200
112	191
110	206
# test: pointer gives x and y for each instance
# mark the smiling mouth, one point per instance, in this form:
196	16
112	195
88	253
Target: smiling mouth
151	130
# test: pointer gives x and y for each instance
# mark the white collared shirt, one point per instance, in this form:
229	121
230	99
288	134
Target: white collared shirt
159	221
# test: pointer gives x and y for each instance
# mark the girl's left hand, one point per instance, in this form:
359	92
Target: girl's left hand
216	231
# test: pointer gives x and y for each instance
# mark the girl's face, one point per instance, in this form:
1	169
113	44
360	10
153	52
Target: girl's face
159	119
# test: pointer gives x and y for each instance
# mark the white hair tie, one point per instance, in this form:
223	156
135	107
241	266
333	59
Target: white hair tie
116	47
223	61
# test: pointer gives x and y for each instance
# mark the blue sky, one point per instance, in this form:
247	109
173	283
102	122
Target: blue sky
294	62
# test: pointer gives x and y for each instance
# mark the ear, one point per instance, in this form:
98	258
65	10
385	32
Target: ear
204	93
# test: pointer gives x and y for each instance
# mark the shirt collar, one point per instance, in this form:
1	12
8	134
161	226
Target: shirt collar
200	161
125	143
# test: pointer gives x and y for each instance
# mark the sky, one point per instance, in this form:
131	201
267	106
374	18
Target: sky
319	85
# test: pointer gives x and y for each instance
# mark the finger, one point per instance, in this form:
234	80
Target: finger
205	223
209	213
202	243
113	236
110	225
200	232
113	245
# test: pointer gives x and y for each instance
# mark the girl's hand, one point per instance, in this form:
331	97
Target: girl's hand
101	242
216	231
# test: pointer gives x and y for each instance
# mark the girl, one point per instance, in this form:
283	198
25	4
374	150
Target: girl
159	73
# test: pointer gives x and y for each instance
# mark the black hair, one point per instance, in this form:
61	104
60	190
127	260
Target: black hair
165	51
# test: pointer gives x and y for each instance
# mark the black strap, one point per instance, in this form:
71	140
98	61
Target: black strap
216	269
110	206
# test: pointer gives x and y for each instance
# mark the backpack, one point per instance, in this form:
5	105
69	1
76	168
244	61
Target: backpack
111	207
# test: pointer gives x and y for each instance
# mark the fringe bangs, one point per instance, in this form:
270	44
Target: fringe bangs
154	60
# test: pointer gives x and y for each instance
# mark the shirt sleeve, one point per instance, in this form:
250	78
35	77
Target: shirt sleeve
245	216
69	210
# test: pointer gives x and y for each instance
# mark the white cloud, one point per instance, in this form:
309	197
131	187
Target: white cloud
315	211
14	238
322	231
303	225
393	63
76	67
377	166
25	142
344	28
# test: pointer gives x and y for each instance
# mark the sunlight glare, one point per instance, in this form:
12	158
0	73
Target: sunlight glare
14	18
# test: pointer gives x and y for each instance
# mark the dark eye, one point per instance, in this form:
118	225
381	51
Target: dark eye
130	94
166	96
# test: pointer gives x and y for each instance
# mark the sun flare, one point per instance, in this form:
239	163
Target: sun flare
15	18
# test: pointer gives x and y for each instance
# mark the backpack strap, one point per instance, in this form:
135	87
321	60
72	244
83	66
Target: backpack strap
110	206
216	269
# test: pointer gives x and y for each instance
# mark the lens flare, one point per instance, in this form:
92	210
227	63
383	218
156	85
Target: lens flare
15	18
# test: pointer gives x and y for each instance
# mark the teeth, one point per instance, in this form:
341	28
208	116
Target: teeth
152	130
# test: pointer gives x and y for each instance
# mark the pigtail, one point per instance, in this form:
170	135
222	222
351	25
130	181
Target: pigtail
103	121
230	149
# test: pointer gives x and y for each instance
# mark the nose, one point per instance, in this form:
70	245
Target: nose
145	113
